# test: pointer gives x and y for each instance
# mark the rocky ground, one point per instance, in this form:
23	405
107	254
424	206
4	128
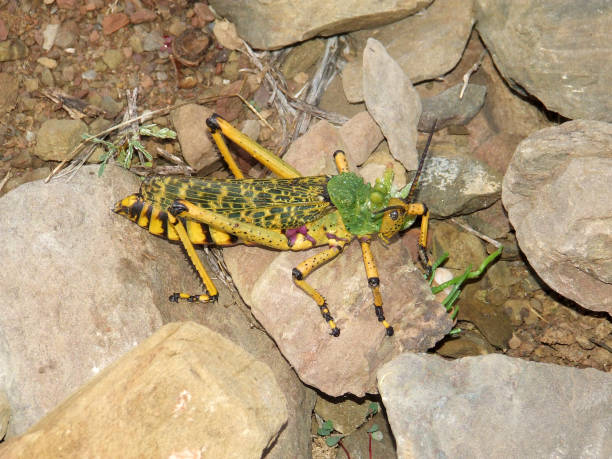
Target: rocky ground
522	155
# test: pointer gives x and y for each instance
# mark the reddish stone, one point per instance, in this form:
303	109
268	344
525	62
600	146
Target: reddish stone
142	15
113	22
66	4
203	12
93	5
229	107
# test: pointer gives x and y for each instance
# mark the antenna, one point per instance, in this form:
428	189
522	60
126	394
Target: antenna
415	181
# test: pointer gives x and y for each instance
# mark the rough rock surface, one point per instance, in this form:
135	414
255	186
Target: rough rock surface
65	309
347	363
448	108
425	45
558	52
5	414
193	135
9	86
557	194
272	25
455	183
476	405
185	391
361	135
392	101
56	138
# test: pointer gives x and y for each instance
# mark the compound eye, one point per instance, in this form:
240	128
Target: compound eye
394	215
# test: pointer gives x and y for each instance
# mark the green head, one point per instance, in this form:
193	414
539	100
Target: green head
371	209
379	209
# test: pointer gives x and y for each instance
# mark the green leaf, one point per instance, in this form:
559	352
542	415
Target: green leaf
135	143
101	169
373	408
374	428
333	440
326	428
152	130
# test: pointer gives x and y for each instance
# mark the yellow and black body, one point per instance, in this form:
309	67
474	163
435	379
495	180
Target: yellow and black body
286	213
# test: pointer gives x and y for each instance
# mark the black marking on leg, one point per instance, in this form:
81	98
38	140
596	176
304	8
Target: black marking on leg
335	332
390	330
325	312
424	259
337	152
175	297
379	313
176	208
213	123
373	282
297	274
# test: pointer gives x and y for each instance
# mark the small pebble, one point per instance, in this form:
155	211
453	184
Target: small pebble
49	35
514	342
89	75
31	84
152	41
47	62
114	22
46	78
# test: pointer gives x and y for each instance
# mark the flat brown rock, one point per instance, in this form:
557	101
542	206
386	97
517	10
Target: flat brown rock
184	391
272	25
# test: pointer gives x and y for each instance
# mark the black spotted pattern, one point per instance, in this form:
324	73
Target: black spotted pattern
269	203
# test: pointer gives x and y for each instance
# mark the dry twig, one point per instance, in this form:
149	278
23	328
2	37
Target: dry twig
6	178
468	74
473	231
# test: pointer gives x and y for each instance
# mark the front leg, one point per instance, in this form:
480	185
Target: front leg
373	282
309	265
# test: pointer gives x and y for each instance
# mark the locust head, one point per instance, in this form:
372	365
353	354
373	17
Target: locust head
398	216
401	210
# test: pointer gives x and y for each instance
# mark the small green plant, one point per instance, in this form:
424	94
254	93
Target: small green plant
373	408
124	152
331	440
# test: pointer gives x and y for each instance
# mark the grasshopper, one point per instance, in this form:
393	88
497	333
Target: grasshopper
287	213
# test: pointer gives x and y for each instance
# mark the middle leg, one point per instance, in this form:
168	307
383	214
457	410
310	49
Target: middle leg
374	282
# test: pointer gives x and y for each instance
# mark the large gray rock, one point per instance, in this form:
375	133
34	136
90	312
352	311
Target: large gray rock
451	107
186	391
65	311
479	407
275	24
557	51
557	193
425	45
455	183
392	101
